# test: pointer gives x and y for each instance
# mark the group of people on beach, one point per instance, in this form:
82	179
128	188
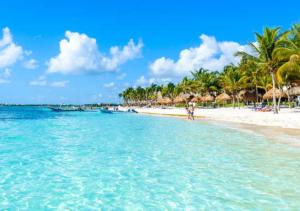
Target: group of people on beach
190	109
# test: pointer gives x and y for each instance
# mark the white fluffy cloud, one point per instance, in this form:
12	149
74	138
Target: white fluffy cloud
210	54
10	53
79	53
120	56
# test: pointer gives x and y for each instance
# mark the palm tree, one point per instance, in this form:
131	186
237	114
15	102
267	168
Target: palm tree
288	52
264	48
168	91
205	81
265	83
186	85
233	81
253	73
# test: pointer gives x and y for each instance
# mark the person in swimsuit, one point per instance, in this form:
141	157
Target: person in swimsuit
192	109
188	112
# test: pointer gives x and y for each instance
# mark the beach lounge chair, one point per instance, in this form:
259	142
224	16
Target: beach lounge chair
266	109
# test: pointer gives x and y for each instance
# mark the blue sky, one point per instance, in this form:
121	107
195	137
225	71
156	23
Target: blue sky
88	51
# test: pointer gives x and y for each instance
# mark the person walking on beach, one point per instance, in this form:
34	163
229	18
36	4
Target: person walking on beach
188	112
192	110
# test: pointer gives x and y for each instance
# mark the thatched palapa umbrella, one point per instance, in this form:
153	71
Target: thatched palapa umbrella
269	94
160	101
165	101
208	98
196	100
183	98
179	100
223	97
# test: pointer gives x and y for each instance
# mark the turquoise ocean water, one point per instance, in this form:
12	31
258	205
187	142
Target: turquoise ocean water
88	161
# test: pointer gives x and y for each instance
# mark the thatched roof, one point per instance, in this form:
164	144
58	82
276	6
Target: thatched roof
160	101
196	100
208	98
164	101
294	91
269	94
182	98
179	99
223	97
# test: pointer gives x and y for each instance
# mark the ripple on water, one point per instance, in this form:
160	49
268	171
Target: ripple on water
93	160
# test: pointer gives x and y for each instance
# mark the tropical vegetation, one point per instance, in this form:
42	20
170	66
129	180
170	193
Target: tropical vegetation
268	72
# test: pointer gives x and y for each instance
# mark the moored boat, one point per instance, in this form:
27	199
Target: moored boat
106	110
65	108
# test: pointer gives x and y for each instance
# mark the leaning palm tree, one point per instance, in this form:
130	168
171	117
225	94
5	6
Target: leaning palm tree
263	55
288	54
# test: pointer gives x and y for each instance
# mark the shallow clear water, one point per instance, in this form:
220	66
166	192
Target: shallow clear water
88	161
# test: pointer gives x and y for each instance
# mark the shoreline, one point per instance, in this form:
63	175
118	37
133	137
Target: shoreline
287	118
272	133
283	127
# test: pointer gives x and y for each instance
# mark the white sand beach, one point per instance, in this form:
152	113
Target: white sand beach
287	118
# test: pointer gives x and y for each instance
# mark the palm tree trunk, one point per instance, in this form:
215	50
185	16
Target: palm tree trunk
256	93
274	93
279	100
289	99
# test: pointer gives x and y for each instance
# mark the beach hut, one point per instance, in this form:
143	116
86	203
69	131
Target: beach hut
269	94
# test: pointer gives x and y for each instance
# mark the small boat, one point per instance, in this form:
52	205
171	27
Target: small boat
106	110
89	109
64	108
